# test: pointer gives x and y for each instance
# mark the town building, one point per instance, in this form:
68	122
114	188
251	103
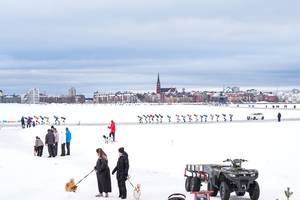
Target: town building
32	97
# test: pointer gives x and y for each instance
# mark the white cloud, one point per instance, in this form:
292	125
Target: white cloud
136	38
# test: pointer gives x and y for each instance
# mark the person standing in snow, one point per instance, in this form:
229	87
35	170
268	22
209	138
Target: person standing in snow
279	117
103	173
112	128
38	147
23	122
68	140
29	121
50	142
56	135
62	140
122	172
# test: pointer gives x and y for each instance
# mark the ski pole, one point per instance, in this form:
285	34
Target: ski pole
85	176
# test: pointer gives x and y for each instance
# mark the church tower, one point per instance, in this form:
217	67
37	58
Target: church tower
158	85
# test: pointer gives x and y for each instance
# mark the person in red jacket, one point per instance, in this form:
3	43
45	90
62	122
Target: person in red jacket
112	128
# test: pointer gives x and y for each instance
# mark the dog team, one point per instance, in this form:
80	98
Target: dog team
52	139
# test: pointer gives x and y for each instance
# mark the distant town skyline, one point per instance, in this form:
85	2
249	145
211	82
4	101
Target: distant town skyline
118	46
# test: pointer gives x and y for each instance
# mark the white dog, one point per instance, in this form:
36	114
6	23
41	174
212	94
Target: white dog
137	192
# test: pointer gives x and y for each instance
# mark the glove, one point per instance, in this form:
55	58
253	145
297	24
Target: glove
95	168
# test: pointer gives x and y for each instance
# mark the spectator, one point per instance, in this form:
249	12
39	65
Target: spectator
63	143
68	140
279	117
56	135
122	172
38	147
103	174
112	128
50	141
23	122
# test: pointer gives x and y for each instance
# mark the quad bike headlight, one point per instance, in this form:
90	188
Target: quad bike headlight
232	175
253	174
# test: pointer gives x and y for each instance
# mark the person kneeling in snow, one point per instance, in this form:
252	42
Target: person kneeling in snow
38	147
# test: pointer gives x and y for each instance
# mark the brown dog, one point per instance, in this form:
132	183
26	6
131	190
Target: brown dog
137	192
71	186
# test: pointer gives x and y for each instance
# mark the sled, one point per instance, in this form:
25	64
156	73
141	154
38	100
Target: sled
177	196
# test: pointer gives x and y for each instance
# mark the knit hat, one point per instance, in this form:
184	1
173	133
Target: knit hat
121	150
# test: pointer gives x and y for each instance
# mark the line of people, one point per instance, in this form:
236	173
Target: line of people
103	173
52	140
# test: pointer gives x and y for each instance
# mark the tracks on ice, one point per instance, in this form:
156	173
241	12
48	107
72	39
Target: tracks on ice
164	123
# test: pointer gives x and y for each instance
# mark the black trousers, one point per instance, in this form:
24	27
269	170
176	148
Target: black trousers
68	148
51	150
122	188
39	150
113	135
55	148
63	151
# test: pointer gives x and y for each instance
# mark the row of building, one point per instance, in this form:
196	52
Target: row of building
35	97
170	96
162	95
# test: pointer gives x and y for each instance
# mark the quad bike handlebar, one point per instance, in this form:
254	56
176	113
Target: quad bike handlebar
235	160
237	163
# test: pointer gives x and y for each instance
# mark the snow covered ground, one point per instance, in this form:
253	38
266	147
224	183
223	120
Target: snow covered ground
157	152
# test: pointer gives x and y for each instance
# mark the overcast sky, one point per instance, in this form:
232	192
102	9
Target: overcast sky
109	45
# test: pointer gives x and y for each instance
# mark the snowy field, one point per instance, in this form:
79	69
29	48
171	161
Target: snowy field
157	152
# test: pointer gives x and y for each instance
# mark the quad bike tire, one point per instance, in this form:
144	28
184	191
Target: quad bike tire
195	184
254	191
188	183
210	187
224	191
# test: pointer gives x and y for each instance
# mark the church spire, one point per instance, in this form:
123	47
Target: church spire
158	85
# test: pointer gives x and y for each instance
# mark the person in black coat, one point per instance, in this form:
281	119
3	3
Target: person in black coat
50	141
122	172
103	173
23	122
279	117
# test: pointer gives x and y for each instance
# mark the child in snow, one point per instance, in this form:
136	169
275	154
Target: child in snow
38	147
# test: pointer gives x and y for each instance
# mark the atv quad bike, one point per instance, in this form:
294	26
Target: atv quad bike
227	179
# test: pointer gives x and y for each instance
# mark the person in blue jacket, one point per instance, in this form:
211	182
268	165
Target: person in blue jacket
68	140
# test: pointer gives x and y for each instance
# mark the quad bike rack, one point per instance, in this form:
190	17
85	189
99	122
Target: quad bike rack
197	171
